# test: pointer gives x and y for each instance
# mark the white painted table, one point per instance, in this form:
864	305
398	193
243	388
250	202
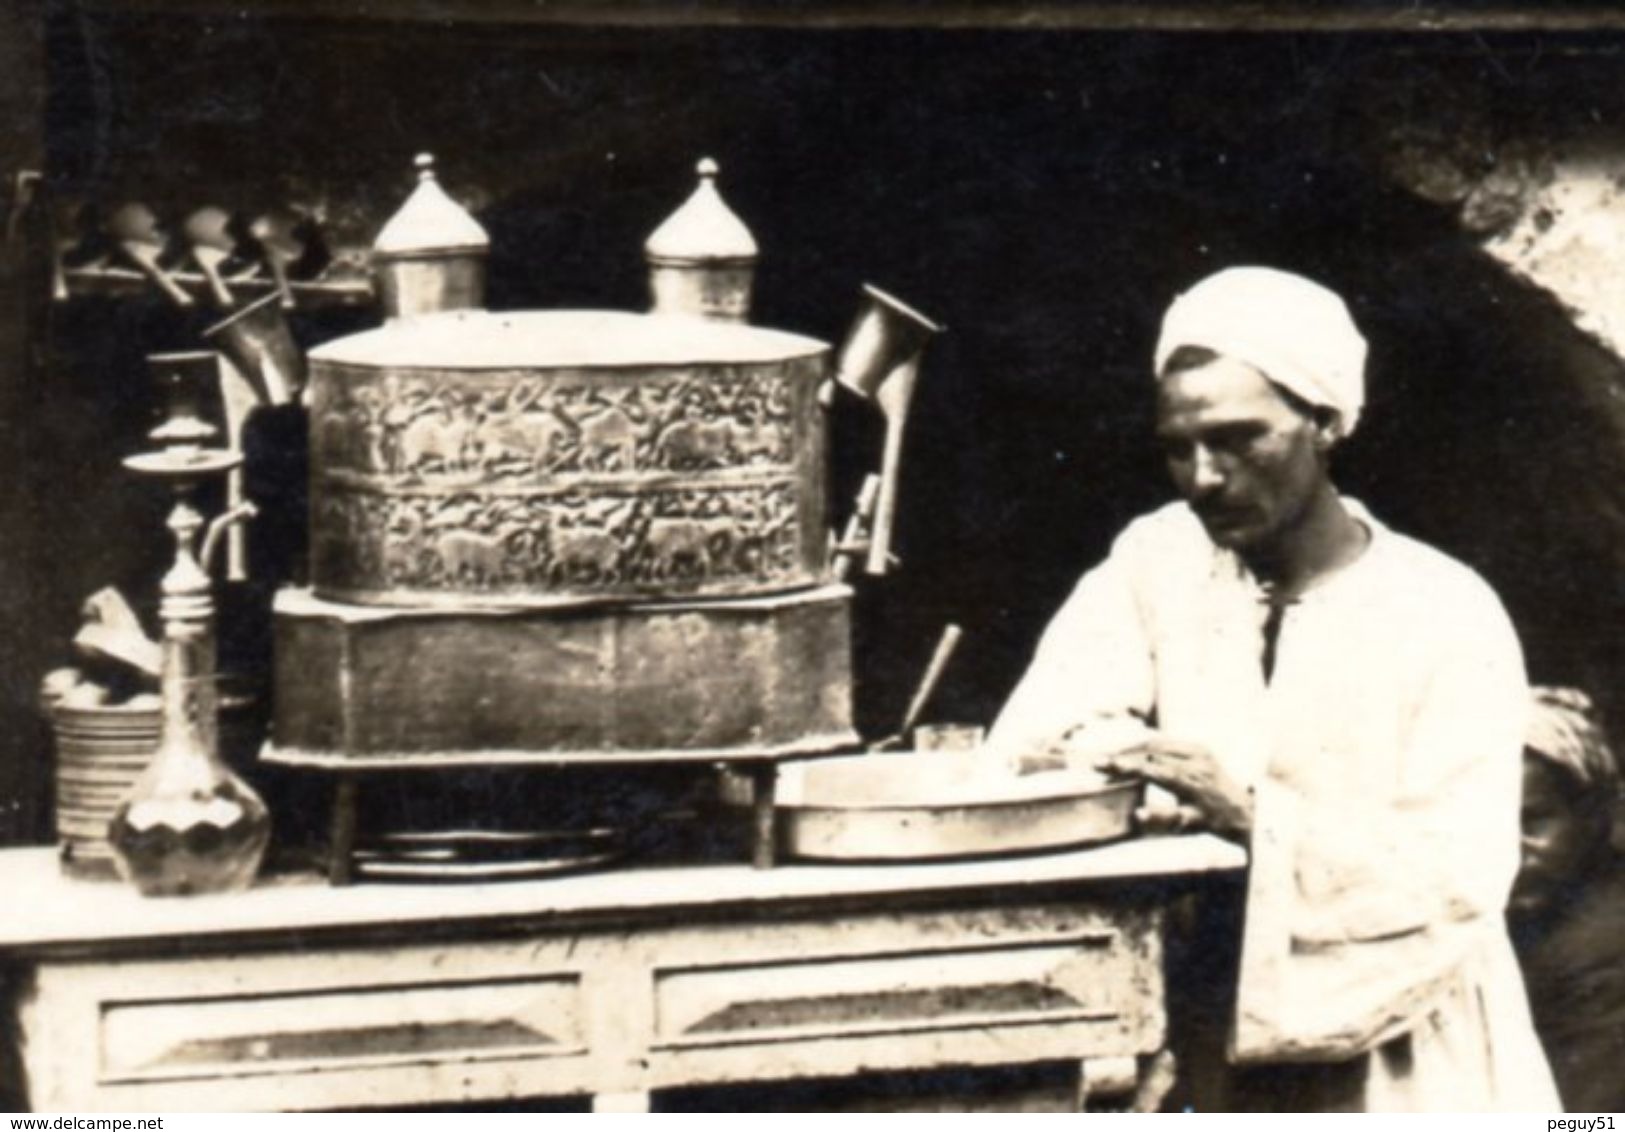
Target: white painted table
615	984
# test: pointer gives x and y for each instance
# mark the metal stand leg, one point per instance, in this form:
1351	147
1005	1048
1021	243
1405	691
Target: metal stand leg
764	781
341	832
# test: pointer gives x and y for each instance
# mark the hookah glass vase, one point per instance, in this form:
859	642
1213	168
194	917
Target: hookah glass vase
189	825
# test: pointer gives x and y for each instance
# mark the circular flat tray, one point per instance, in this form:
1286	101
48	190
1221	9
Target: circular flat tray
935	805
463	872
461	856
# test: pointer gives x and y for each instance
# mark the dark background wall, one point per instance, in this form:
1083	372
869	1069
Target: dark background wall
22	302
1044	193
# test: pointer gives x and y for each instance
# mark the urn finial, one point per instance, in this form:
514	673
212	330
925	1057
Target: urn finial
702	259
430	256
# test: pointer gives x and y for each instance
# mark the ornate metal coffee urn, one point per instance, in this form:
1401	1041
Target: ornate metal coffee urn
553	537
562	457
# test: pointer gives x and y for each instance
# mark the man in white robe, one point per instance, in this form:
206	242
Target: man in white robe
1343	700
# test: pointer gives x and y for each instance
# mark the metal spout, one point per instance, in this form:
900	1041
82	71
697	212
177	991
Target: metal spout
217	528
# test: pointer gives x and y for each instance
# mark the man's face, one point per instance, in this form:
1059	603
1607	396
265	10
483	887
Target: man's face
1247	461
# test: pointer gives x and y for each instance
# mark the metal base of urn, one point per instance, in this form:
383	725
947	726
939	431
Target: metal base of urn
363	690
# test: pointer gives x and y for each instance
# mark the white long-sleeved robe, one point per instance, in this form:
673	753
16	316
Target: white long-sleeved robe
1384	760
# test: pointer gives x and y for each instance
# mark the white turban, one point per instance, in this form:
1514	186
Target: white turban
1291	329
1563	728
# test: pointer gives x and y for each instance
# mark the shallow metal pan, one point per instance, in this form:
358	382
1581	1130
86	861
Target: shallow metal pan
944	805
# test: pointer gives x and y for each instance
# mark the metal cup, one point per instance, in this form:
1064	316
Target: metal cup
880	361
885	334
257	340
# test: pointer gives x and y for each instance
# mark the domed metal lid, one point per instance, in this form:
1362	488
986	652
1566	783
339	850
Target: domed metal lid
430	221
703	230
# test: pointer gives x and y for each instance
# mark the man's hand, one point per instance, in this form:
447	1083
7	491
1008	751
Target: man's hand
1191	773
1083	745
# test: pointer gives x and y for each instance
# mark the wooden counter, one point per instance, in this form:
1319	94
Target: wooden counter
297	996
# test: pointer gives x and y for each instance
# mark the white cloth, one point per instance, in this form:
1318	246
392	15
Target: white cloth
1384	760
1291	329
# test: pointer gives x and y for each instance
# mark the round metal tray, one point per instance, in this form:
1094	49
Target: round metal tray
486	855
939	805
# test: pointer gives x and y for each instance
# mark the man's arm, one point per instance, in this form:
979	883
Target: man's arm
1444	846
1355	903
1092	669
